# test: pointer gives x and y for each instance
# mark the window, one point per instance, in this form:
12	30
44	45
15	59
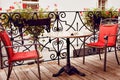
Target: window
102	4
30	0
34	4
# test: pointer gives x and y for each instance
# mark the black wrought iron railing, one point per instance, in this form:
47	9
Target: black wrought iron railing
51	48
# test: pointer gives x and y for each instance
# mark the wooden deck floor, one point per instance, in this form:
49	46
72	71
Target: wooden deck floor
93	68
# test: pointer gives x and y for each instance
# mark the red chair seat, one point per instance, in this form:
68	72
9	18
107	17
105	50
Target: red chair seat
100	44
24	55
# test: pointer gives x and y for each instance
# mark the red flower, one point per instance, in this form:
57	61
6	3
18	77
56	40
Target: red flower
15	2
12	7
85	9
81	13
0	9
119	9
107	12
55	5
24	5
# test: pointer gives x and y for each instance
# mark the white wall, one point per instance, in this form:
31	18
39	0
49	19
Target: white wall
113	3
63	5
5	4
67	5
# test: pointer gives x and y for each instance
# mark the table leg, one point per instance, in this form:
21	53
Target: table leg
58	52
68	68
84	50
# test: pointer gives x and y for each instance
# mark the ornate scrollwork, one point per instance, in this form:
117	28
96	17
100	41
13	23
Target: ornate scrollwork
53	56
118	47
58	45
52	15
4	19
56	26
93	38
63	55
17	63
5	62
62	14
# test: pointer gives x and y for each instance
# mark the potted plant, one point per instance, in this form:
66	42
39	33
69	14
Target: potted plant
92	17
25	15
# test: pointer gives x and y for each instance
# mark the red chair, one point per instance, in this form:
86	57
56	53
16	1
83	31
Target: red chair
17	56
107	38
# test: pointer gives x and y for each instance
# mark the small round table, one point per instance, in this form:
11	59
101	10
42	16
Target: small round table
68	68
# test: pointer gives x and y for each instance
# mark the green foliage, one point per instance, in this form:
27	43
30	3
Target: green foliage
109	13
28	14
92	17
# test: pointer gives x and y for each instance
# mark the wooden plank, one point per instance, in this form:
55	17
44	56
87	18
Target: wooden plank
64	75
2	74
13	75
28	72
54	68
74	76
111	61
20	73
89	74
48	73
34	69
93	68
97	65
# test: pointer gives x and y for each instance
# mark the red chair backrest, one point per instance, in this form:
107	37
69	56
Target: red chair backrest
108	30
6	41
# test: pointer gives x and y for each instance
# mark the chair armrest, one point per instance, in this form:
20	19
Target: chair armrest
106	38
21	45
